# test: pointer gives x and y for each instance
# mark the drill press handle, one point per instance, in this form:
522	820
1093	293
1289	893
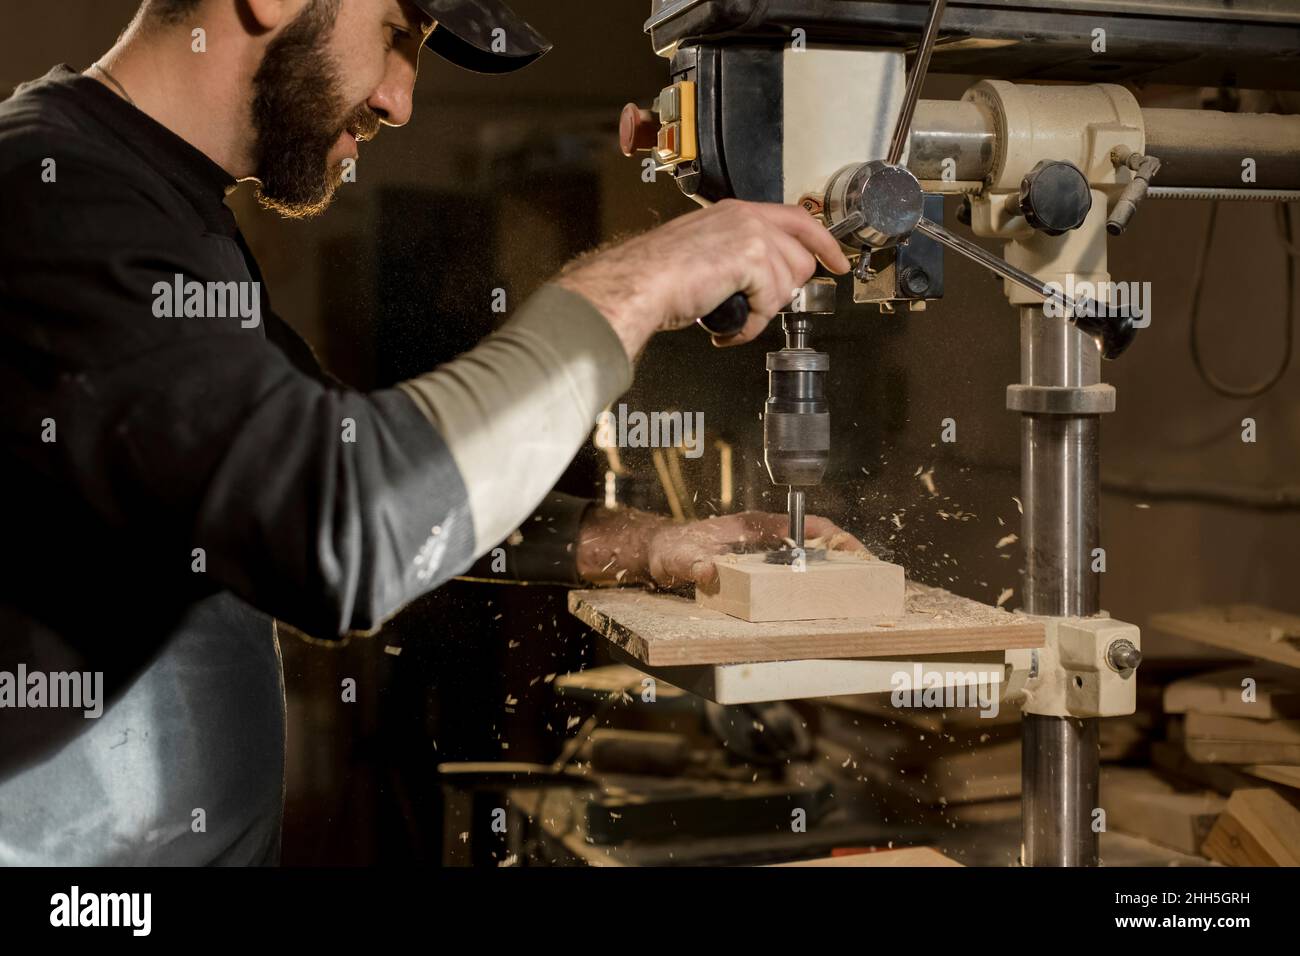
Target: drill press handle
1112	329
727	319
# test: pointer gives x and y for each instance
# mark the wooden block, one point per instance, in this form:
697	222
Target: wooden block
842	586
1124	739
662	630
1220	693
1139	802
984	812
904	856
1213	739
1275	773
1242	628
1257	828
989	772
1173	760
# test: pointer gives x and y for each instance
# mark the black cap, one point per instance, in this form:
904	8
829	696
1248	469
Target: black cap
485	36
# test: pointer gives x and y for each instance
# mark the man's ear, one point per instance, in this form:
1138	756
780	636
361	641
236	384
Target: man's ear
268	15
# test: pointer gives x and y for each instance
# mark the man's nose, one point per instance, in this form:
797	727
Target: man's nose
394	98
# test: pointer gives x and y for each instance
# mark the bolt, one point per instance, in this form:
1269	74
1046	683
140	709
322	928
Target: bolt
863	271
1123	656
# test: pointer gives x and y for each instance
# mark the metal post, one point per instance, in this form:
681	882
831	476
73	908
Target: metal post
1058	452
1058	777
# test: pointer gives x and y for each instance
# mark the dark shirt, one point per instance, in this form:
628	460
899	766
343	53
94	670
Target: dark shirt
173	484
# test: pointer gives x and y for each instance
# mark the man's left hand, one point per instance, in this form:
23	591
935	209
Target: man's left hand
629	546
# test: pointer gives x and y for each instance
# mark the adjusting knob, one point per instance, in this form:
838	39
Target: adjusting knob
1055	197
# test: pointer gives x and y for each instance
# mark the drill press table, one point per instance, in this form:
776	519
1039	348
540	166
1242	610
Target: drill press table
733	661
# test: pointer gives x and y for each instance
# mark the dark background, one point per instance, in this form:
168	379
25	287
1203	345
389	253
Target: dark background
495	184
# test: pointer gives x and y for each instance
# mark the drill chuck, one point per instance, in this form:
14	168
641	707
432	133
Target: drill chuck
796	420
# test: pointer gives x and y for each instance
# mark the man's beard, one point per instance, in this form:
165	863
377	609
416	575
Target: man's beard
298	116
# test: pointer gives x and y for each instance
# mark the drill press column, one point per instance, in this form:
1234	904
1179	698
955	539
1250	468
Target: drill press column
796	420
1060	755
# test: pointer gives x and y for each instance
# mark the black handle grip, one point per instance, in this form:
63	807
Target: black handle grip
1115	330
728	318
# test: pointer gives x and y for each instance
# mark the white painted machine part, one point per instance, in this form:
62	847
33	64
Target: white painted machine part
1072	675
801	680
839	108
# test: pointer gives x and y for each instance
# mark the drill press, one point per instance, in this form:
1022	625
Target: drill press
791	99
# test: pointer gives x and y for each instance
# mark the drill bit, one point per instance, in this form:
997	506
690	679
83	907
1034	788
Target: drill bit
795	504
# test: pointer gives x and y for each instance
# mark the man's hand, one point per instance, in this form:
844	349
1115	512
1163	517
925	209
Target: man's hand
628	546
668	277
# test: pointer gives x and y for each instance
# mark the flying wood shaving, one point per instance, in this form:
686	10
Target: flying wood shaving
1019	506
1008	539
1005	596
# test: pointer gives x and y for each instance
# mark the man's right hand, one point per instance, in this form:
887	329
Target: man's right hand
667	278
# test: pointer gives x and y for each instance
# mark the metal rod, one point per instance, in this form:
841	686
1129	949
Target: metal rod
903	128
1059	761
1198	148
1003	268
1059	472
1059	481
795	502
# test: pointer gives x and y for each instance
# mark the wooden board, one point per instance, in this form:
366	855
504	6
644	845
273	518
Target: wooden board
1275	773
662	630
838	586
988	772
1222	778
904	856
1257	828
1137	801
1243	628
1213	739
1220	693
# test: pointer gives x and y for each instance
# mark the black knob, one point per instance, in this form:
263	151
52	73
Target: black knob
1113	328
964	211
728	318
1054	197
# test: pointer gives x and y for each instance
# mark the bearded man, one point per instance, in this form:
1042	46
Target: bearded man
178	479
